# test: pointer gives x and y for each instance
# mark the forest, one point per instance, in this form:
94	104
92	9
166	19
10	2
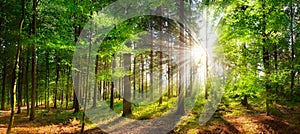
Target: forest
150	66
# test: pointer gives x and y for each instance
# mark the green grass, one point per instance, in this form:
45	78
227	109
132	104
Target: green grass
146	111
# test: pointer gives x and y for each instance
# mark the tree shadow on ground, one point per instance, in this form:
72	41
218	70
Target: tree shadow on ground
122	125
219	125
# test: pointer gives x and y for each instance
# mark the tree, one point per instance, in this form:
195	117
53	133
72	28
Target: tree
33	91
3	85
250	35
127	111
15	73
180	103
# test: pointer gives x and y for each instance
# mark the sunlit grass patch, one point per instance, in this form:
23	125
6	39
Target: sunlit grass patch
153	110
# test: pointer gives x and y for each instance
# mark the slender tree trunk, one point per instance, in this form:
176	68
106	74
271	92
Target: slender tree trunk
151	66
96	81
76	89
134	77
191	58
20	86
160	57
276	69
112	83
47	80
15	75
56	82
68	86
142	72
77	31
206	57
62	91
127	93
266	61
292	49
169	70
14	87
27	82
180	104
120	80
33	91
3	86
139	79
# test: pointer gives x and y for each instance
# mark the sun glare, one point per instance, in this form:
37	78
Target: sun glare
198	54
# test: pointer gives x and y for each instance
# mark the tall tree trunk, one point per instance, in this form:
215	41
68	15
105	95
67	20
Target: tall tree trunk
160	56
191	58
134	77
112	83
206	56
142	73
77	31
15	74
14	87
3	86
27	82
127	93
20	86
266	60
62	91
120	80
151	65
47	80
292	49
76	89
56	81
96	81
68	86
180	104
33	91
276	69
87	80
169	70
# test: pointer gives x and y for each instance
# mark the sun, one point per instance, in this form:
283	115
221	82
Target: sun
198	54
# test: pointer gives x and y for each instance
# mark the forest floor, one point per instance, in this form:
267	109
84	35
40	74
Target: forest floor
232	119
252	120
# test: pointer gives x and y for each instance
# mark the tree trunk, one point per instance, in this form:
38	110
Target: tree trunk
266	62
27	82
292	50
87	81
134	77
180	104
15	75
56	82
20	86
3	86
151	67
120	79
96	81
160	57
47	81
76	89
33	91
112	83
14	87
206	57
77	31
68	86
245	100
142	73
127	93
